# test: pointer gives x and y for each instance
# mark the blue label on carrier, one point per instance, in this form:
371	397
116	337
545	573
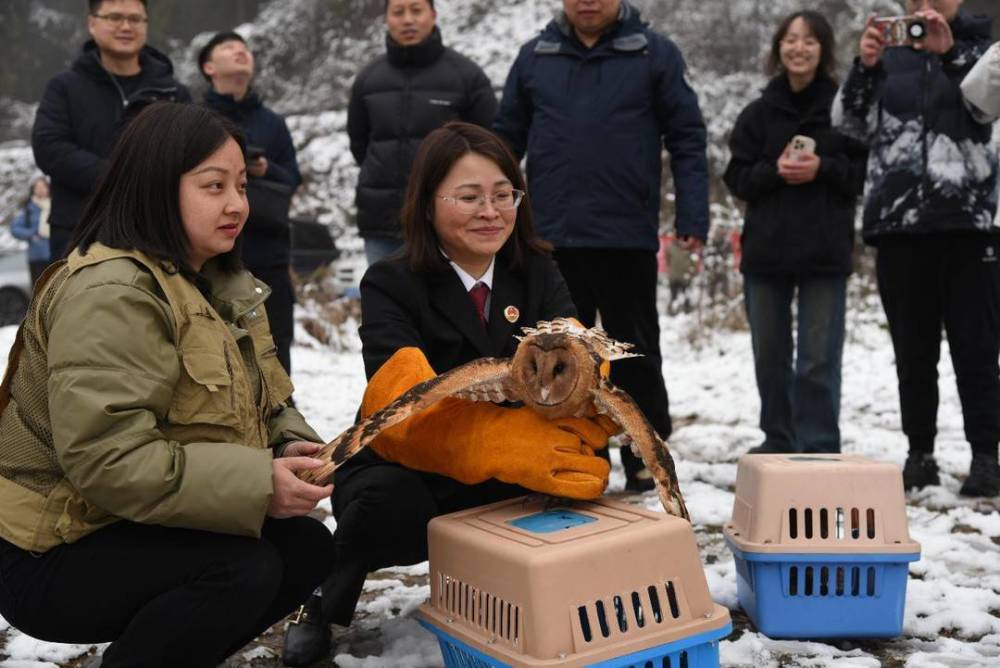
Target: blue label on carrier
551	521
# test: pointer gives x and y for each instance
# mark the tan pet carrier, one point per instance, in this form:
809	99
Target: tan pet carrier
821	545
522	584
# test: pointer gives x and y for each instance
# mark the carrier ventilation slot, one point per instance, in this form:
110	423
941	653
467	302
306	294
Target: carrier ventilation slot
842	524
826	581
678	660
480	609
627	612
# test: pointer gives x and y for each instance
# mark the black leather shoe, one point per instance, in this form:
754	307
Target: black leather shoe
307	639
984	477
640	481
920	471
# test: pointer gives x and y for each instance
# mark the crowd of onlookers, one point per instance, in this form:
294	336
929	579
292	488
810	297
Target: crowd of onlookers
464	249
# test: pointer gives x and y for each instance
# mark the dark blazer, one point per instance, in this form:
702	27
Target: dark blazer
802	229
433	312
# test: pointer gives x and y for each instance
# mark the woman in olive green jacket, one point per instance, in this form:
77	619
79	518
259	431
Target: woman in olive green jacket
148	450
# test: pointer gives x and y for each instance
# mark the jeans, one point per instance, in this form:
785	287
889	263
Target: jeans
800	403
377	248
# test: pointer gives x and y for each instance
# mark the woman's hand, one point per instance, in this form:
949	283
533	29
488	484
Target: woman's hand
301	449
939	38
872	44
797	171
293	497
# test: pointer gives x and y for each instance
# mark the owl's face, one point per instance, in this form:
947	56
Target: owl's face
555	374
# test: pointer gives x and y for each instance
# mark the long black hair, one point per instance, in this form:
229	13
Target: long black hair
137	204
821	30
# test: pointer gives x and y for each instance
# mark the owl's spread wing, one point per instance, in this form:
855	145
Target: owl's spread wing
653	450
486	379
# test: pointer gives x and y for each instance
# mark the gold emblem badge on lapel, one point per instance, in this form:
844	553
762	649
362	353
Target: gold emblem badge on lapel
511	313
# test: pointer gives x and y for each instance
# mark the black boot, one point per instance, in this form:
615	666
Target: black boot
307	639
984	476
920	471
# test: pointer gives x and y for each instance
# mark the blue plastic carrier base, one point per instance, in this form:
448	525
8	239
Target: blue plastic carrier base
823	595
698	651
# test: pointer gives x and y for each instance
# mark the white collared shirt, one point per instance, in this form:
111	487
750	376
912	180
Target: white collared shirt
469	282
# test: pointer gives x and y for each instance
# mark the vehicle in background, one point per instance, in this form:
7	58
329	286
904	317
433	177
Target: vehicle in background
313	248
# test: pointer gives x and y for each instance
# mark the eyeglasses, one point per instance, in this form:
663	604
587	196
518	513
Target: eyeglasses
134	20
505	200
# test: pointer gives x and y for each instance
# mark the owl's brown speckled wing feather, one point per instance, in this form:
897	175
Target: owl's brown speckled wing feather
485	379
653	450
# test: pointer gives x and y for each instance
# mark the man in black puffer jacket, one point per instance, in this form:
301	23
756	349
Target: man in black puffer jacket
82	110
417	86
930	201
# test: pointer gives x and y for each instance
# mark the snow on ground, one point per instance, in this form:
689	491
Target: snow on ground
953	600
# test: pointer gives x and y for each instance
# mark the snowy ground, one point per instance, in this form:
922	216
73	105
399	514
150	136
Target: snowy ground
953	601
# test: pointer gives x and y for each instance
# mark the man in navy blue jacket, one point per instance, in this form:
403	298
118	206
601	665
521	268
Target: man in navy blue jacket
273	176
82	110
592	101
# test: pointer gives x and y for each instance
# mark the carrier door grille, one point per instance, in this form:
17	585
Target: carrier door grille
482	610
626	613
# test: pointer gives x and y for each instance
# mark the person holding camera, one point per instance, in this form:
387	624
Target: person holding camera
273	170
83	109
930	202
800	179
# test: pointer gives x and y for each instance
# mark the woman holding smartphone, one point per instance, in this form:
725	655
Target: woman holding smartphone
800	180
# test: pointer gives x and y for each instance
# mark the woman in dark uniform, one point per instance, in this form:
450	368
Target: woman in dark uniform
473	273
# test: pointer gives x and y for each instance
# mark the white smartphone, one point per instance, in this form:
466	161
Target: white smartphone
801	146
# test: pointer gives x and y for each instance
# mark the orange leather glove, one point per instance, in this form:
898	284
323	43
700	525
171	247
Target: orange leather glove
473	441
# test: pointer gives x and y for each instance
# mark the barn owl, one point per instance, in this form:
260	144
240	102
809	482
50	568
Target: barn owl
555	371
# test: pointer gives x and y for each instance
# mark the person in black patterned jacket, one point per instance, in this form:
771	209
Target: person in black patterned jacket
930	202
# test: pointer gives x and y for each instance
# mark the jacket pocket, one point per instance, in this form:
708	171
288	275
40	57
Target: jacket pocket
204	391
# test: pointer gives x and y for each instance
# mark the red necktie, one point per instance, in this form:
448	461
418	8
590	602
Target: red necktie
479	293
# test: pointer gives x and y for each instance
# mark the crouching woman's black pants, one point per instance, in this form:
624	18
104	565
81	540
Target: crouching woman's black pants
164	596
